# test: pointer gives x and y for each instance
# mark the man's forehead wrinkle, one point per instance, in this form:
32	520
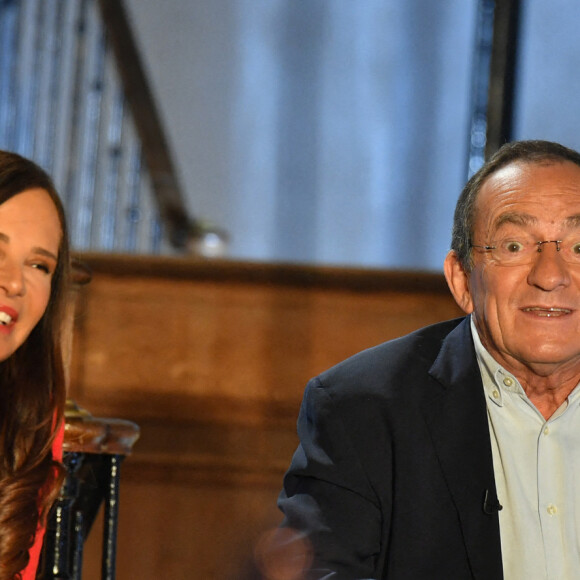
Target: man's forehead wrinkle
524	219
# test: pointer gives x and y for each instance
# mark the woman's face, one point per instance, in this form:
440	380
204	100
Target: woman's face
30	234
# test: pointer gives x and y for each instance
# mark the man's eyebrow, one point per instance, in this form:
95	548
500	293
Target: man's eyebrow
519	219
573	221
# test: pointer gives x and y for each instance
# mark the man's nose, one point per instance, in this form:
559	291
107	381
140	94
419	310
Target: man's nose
549	270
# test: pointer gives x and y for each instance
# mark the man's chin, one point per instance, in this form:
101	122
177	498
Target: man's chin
548	361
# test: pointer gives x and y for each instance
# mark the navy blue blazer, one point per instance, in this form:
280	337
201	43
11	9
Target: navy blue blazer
393	478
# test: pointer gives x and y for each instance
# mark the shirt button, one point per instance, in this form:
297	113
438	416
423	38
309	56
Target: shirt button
546	430
552	509
495	394
508	382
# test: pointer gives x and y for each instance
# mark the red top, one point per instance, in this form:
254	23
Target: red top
29	573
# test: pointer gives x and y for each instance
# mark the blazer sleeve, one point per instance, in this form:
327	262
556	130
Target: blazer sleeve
328	496
29	573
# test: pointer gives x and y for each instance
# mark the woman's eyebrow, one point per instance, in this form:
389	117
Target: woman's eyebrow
44	252
36	249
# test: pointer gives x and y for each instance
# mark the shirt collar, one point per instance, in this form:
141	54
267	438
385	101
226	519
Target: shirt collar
496	380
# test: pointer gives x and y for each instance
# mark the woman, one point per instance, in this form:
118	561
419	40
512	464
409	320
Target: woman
34	271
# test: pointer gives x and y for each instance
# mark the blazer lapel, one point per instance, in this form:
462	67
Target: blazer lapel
457	419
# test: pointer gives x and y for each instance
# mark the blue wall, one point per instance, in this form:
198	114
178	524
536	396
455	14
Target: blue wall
324	131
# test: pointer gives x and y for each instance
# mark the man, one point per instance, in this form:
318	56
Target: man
454	452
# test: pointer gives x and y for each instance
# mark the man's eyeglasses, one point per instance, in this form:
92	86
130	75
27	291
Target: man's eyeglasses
523	250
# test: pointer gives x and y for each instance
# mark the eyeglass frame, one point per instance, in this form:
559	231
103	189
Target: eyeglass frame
539	244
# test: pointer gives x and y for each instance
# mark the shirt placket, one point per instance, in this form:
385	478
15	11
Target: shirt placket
551	506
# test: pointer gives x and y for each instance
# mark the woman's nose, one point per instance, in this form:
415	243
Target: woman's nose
11	278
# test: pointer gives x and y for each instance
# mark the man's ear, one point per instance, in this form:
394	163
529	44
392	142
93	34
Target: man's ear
458	282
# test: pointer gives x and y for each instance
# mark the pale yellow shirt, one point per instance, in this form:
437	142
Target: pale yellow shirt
537	473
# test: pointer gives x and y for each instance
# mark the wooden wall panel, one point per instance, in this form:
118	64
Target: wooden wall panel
211	359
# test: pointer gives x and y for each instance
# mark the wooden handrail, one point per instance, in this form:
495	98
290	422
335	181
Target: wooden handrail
87	434
274	274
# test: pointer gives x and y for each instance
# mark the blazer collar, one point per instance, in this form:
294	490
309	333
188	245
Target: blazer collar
457	419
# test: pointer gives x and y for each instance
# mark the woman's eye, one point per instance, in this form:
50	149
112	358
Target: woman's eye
575	248
42	267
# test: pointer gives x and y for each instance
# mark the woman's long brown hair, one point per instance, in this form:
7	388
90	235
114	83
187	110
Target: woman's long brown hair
32	396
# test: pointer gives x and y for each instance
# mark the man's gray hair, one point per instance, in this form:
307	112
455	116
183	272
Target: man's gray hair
518	151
